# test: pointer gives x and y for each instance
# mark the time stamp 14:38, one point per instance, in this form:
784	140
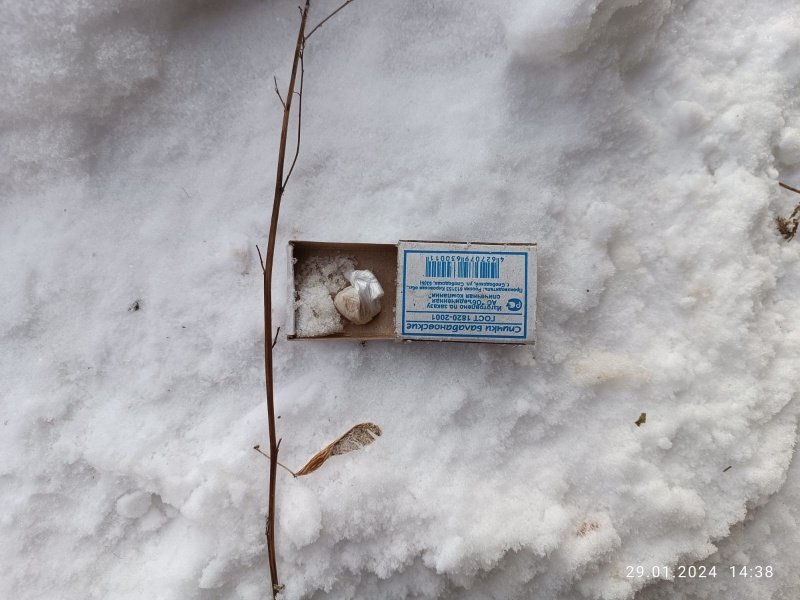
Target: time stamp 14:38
700	571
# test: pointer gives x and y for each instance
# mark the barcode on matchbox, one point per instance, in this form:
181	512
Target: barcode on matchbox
461	269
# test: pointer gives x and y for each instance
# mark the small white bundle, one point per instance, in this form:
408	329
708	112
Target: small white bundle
360	301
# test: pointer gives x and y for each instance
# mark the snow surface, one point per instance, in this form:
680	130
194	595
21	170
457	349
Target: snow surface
638	142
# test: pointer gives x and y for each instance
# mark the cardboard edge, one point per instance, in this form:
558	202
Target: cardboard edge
468	243
533	270
290	325
398	292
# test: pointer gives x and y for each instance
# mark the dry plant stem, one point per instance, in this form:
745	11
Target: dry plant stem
258	449
277	91
321	23
299	118
788	187
260	258
275	341
273	230
266	265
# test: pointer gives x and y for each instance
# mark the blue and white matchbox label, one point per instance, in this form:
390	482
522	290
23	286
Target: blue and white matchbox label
467	292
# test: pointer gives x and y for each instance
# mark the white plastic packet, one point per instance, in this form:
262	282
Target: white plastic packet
360	301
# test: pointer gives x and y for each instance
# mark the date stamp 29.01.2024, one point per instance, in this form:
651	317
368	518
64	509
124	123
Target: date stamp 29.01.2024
699	571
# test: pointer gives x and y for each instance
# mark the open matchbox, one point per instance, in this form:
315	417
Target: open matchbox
436	291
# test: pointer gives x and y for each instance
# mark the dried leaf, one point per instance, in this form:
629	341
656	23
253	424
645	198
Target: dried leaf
315	462
788	226
642	419
356	437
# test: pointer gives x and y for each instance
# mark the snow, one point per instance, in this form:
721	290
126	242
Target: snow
134	505
318	280
639	143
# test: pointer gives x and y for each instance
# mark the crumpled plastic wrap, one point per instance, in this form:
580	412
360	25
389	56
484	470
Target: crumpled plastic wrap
360	301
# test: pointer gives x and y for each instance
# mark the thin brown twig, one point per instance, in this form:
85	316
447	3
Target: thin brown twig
788	187
275	341
299	119
321	23
277	91
268	264
258	449
260	258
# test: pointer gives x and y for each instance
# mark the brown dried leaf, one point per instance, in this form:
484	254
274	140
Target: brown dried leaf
315	462
788	226
356	437
641	420
359	436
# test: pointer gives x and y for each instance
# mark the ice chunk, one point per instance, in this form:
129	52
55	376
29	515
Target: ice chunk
134	505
